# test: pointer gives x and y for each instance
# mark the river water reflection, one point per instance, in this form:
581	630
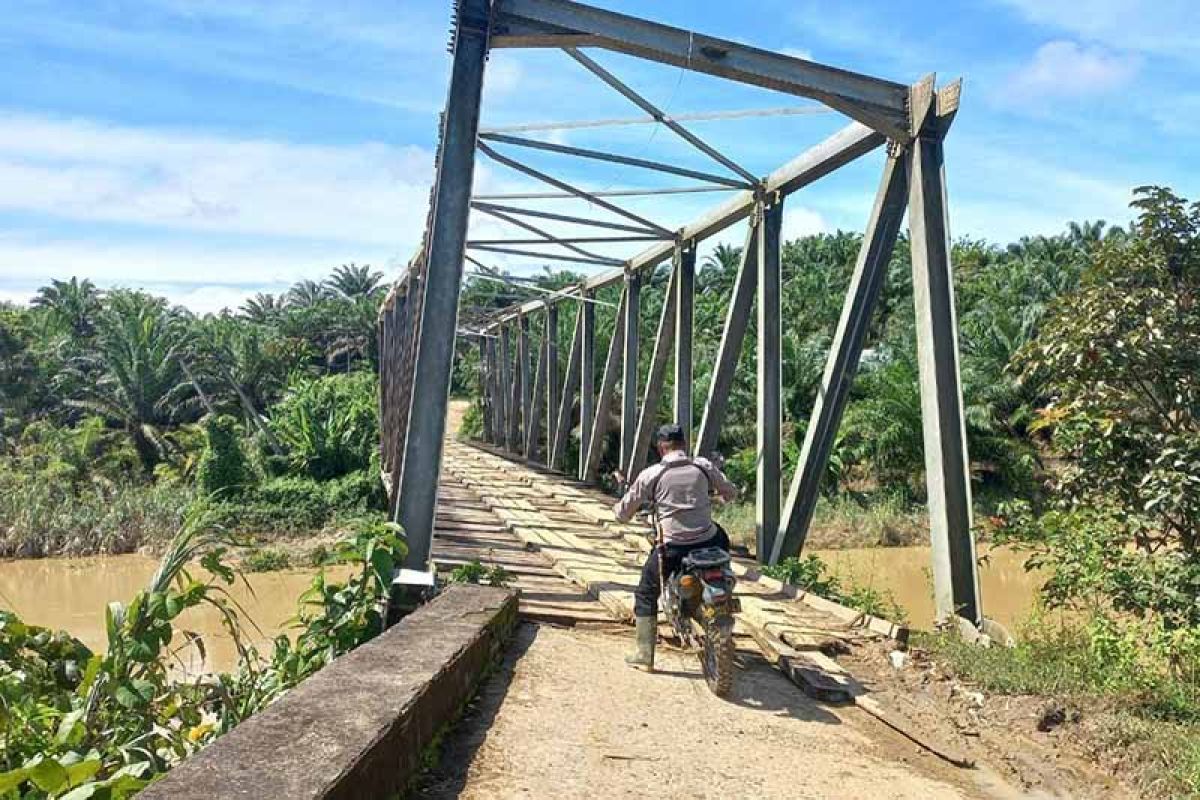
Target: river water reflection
1009	592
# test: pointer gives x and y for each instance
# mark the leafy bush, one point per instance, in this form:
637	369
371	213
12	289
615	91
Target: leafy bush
329	425
476	572
105	724
223	469
471	428
266	559
812	575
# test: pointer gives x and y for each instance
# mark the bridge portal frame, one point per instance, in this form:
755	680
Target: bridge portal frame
420	321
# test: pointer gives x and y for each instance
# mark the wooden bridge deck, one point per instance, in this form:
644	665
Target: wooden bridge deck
574	562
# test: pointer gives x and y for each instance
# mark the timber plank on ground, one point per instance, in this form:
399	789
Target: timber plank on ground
573	526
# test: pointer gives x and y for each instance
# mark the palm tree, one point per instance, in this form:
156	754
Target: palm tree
353	281
141	385
724	257
71	304
306	294
262	308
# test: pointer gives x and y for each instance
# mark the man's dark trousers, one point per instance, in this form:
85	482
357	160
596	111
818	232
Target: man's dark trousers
645	597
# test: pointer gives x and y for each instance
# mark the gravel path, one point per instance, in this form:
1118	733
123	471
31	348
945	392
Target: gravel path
564	718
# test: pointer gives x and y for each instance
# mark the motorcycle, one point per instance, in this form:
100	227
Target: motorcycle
699	604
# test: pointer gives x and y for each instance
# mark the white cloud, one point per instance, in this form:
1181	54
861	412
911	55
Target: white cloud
199	276
1067	69
83	170
798	52
1169	27
799	221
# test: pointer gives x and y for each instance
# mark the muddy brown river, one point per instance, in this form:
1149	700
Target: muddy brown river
71	594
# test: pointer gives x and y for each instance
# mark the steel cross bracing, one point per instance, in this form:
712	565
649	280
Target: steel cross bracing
558	408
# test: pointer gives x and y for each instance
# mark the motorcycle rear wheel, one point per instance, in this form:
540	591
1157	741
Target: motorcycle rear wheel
717	658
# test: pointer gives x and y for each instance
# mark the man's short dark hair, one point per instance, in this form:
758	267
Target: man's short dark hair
670	433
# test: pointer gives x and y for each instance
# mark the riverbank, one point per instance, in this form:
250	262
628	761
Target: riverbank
1052	705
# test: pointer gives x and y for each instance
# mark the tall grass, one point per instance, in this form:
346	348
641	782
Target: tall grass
40	517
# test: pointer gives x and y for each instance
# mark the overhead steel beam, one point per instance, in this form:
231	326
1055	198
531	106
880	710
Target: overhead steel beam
558	23
947	466
514	251
445	241
848	144
770	409
566	125
654	111
703	188
685	288
546	237
566	187
737	319
655	379
841	365
594	223
563	240
608	386
614	158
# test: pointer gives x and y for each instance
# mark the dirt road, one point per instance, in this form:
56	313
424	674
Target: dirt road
564	718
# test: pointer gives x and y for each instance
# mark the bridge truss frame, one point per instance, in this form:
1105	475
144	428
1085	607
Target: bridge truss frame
529	406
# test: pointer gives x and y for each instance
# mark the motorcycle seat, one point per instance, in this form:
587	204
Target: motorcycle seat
706	558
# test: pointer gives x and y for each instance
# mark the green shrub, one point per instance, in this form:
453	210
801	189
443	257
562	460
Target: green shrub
266	559
471	427
329	425
223	469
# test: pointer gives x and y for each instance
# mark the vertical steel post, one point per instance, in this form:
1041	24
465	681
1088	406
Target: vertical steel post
587	379
505	392
562	428
869	273
485	388
608	386
685	297
493	393
526	393
444	268
629	382
955	576
770	412
737	319
537	403
552	384
655	378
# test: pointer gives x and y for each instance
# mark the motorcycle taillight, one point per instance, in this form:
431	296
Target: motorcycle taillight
714	574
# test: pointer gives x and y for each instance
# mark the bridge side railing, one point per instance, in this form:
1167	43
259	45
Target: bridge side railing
529	402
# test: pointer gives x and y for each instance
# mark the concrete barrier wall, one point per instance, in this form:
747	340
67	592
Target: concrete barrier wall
359	727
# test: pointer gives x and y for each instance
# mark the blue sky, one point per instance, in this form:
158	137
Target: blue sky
211	150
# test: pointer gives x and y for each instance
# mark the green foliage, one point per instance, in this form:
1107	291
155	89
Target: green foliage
78	724
266	559
1122	359
329	425
812	575
476	572
223	469
472	422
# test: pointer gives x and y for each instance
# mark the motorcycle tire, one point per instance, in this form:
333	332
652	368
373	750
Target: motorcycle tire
717	658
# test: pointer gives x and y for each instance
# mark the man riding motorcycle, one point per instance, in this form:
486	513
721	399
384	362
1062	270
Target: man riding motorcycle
679	488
